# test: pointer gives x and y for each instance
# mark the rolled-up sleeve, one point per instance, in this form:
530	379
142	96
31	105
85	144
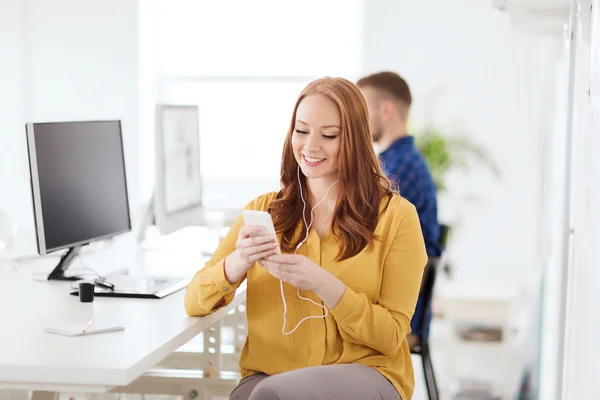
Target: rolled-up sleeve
209	290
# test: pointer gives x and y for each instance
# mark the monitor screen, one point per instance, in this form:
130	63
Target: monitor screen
78	182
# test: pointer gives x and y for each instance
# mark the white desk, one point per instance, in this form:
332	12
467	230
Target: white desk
497	365
31	359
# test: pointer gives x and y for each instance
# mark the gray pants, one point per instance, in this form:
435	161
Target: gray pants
327	382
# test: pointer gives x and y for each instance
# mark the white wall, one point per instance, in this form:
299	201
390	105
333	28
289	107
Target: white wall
64	60
552	220
490	76
582	351
12	129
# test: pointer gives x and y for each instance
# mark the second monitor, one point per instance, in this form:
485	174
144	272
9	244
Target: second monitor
178	195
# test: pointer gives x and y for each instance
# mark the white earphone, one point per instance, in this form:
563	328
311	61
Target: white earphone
297	247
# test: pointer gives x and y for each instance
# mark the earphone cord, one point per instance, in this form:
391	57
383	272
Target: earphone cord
297	247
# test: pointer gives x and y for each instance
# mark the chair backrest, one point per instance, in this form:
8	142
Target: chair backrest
430	274
444	233
427	286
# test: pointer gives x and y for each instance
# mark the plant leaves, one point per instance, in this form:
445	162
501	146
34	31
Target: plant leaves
445	153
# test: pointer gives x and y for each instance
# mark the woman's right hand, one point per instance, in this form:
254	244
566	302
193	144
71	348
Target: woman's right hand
249	249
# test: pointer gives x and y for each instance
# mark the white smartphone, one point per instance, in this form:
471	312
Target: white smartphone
260	218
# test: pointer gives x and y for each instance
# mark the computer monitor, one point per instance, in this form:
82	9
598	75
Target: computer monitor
182	196
78	186
177	198
178	195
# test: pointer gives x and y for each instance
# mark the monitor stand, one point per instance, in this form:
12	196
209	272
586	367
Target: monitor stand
149	219
58	273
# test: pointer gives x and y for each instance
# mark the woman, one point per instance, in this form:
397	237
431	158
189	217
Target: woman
328	317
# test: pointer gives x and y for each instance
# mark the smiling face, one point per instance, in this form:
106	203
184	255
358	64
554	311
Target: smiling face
316	137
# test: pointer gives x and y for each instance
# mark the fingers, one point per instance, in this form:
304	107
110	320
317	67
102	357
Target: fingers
267	248
257	253
281	272
272	267
247	230
255	241
275	266
259	256
256	248
284	259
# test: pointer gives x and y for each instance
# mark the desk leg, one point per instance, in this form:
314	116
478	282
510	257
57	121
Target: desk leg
39	395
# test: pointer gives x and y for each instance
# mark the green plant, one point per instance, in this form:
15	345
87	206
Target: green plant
444	153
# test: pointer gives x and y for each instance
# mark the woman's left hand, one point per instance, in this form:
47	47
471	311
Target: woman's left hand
300	272
297	270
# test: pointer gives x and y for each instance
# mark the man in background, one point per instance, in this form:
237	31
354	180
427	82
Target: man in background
389	99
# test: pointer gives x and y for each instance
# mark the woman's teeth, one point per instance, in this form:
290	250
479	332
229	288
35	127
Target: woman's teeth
313	160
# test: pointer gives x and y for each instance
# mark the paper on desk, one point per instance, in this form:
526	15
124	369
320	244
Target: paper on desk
77	329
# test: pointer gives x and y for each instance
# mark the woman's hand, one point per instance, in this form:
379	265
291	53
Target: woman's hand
300	272
248	251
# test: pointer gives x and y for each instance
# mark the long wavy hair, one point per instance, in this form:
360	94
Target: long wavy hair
362	183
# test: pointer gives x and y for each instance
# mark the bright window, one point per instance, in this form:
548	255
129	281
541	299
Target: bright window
244	64
242	124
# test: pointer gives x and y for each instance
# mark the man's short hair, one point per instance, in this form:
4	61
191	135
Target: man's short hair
389	82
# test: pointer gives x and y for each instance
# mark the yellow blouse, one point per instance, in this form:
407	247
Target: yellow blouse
368	326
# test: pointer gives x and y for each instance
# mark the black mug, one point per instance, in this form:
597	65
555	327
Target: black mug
86	292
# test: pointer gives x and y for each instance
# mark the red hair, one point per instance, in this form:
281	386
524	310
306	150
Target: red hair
362	183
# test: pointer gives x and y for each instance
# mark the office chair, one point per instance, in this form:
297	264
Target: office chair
422	347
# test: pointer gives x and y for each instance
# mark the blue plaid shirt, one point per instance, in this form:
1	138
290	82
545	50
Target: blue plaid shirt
405	166
408	171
